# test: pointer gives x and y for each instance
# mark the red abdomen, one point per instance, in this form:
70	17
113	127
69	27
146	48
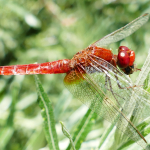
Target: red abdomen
103	53
60	66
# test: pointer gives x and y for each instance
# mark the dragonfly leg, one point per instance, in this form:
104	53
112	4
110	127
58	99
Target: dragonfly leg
124	87
108	81
113	62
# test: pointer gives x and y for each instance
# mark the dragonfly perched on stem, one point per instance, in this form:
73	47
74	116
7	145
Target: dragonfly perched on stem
93	77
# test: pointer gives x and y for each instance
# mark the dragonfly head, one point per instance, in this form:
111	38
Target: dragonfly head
129	70
125	60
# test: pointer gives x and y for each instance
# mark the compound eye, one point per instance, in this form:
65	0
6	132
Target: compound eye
123	48
123	59
132	58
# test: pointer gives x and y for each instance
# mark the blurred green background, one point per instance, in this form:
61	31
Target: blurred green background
41	31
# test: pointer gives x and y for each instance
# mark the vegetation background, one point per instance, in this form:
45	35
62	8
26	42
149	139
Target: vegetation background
42	31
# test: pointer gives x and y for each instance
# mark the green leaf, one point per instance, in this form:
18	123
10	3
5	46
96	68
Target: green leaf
48	116
83	129
106	134
5	136
144	72
67	134
143	127
146	83
36	140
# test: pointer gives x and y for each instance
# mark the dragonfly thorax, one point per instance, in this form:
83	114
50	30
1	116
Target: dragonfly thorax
79	58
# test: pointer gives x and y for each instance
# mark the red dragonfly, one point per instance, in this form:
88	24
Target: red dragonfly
93	77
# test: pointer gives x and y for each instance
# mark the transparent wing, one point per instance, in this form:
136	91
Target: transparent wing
103	96
123	32
120	89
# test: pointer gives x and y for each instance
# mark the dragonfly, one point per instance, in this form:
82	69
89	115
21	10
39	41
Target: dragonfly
99	79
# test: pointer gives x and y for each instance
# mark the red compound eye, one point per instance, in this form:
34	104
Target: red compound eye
126	57
123	59
123	48
132	58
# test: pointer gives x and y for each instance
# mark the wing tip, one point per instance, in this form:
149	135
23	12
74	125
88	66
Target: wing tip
146	14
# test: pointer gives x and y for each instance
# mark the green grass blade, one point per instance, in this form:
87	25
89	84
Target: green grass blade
105	135
48	116
36	140
7	132
67	134
144	127
144	71
83	129
5	136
